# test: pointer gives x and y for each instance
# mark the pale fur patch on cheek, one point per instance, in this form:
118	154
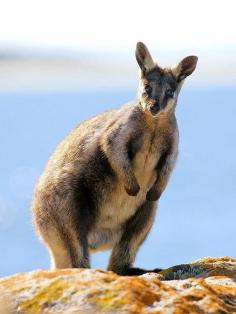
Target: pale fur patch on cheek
171	103
141	87
141	92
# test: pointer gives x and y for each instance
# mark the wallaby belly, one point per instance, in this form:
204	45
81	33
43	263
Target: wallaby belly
118	206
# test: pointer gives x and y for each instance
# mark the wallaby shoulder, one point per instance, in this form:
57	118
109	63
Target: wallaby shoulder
101	186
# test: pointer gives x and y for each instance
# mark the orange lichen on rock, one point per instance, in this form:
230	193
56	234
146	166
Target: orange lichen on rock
134	292
204	286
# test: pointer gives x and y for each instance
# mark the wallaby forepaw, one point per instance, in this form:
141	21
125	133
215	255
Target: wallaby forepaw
152	195
132	190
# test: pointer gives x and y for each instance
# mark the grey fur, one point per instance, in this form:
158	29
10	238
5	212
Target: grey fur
100	187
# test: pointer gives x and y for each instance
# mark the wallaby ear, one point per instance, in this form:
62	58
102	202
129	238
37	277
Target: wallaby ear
185	67
143	57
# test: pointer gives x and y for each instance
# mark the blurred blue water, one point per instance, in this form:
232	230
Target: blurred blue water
197	212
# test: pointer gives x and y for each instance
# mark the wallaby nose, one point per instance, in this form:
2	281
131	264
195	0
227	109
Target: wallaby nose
155	108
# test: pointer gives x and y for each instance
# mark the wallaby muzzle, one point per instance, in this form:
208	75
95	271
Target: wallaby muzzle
155	108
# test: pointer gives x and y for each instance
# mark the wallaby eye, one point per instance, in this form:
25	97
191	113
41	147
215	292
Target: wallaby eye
148	89
169	93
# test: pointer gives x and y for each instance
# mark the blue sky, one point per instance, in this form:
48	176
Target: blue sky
197	212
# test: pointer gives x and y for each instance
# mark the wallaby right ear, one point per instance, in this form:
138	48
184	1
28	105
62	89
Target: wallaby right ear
185	67
144	58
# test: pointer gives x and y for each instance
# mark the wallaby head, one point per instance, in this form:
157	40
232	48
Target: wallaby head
159	87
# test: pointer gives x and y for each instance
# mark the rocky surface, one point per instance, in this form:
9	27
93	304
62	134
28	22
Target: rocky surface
204	286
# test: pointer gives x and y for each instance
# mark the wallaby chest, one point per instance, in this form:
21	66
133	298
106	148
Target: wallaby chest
118	206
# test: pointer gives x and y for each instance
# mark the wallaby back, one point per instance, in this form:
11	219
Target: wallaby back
100	187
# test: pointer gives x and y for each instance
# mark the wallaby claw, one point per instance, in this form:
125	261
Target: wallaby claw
133	190
152	195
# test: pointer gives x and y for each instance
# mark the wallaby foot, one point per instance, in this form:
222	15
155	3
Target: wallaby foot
134	271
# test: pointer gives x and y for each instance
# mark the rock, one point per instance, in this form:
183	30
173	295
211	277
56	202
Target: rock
205	286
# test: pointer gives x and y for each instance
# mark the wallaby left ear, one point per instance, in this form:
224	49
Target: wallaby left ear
144	57
185	67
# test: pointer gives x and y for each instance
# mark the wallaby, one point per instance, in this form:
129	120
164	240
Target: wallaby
100	188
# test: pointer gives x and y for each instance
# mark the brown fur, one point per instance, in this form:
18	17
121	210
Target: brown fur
100	187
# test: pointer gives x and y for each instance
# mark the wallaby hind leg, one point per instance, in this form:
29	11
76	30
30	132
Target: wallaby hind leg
66	250
64	247
59	252
54	218
135	232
